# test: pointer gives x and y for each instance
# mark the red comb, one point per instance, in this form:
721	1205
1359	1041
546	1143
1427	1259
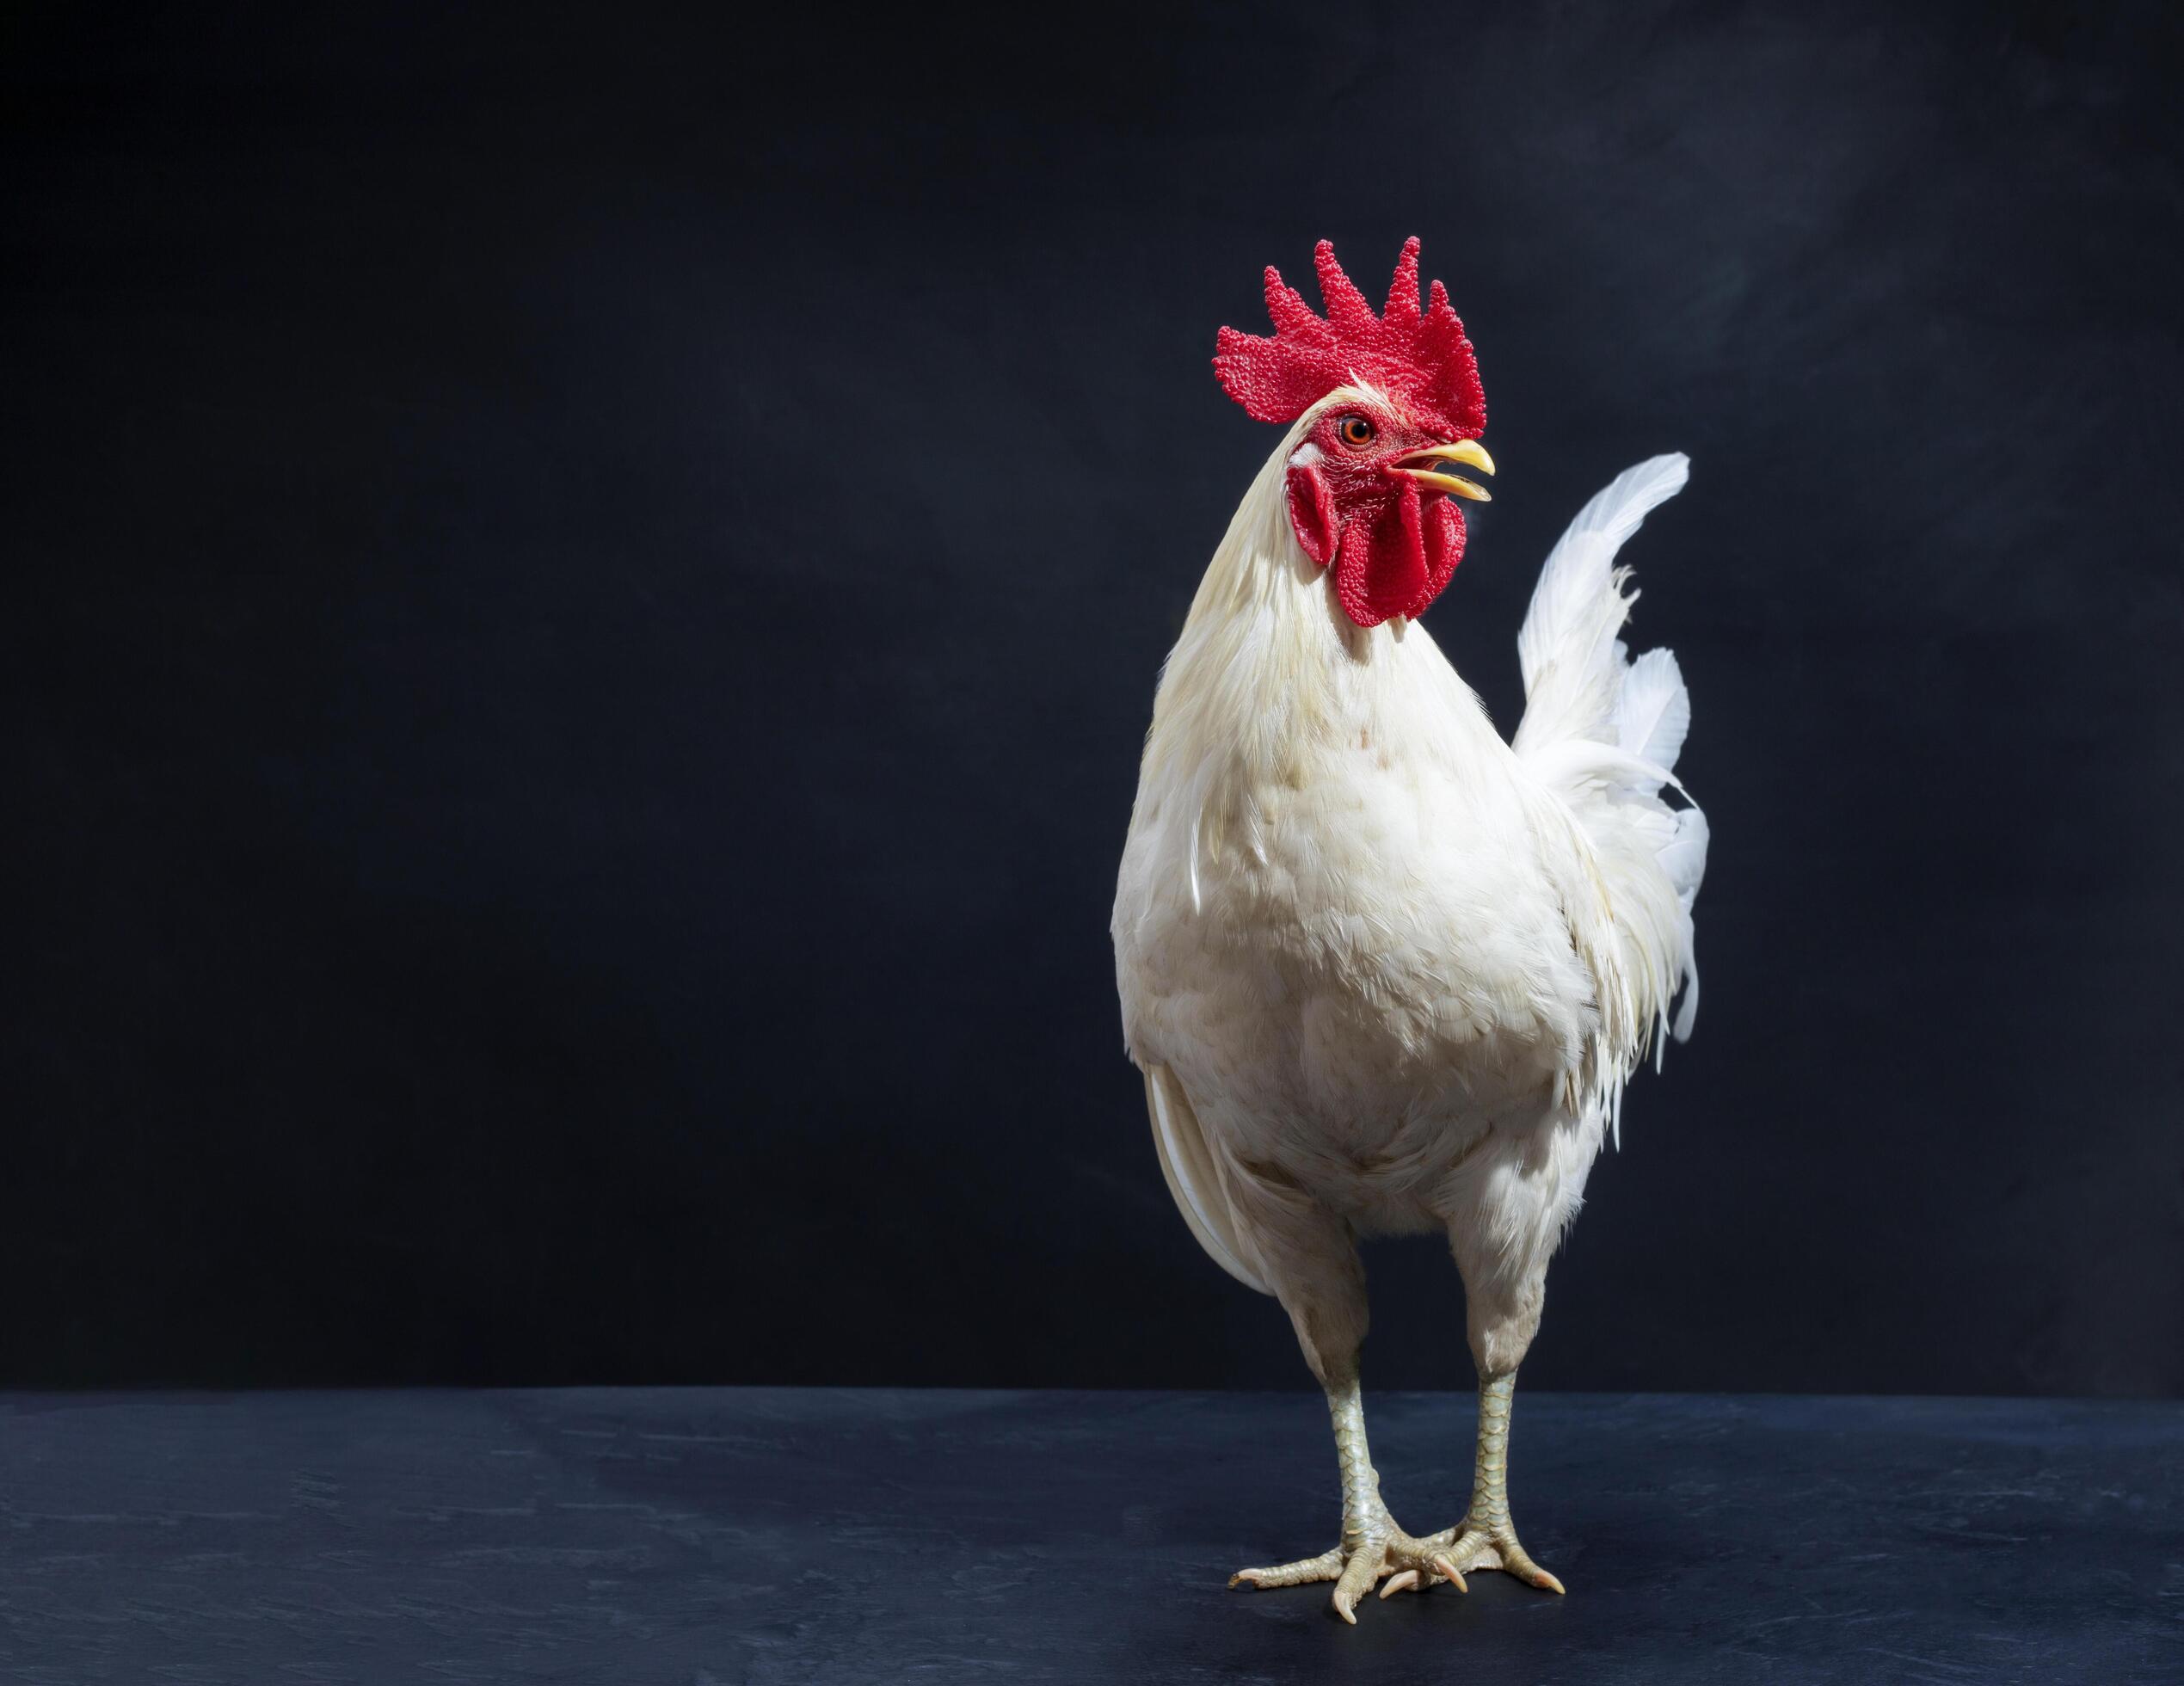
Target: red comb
1419	358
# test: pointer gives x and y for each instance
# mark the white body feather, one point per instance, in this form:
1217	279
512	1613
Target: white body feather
1372	958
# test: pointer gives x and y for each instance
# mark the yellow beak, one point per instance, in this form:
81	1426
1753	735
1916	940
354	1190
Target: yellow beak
1468	451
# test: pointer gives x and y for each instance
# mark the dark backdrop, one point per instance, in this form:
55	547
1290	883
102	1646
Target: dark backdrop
581	597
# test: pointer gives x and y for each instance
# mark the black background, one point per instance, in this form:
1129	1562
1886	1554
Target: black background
581	597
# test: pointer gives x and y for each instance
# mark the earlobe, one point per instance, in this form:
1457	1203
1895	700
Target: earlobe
1312	513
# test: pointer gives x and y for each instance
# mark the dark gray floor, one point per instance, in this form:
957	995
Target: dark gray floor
786	1536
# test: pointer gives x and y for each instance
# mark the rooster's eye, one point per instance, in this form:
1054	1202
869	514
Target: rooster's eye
1356	431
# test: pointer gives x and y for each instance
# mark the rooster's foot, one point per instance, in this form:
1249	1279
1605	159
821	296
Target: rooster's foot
1473	1548
1364	1557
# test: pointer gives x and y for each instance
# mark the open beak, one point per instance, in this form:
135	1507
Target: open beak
1466	451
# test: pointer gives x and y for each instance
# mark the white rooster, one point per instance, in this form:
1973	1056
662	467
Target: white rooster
1383	972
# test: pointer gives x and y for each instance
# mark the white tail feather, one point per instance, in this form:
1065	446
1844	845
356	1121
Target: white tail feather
1654	710
1603	732
1566	646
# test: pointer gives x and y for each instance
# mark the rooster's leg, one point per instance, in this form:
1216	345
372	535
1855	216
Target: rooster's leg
1373	1544
1487	1538
1503	1296
1311	1258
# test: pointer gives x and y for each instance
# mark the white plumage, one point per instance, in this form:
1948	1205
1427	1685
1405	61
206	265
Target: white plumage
1383	971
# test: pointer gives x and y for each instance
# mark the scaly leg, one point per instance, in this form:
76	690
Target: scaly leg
1372	1544
1310	1257
1486	1540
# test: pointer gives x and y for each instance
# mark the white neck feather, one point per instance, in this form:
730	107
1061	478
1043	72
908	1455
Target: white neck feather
1269	676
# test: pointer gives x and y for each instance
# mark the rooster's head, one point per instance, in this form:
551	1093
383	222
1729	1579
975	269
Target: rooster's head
1394	399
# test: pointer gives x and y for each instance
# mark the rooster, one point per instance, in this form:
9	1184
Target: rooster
1383	972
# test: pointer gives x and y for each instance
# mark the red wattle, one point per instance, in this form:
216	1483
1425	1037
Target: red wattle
1444	540
1396	561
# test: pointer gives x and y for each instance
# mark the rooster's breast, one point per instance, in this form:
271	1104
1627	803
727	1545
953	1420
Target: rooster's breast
1374	968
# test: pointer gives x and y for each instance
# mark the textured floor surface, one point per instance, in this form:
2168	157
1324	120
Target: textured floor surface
791	1535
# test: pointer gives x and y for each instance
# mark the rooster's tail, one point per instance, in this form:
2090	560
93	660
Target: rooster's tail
1603	732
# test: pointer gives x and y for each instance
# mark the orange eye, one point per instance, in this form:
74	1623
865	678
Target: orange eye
1355	432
